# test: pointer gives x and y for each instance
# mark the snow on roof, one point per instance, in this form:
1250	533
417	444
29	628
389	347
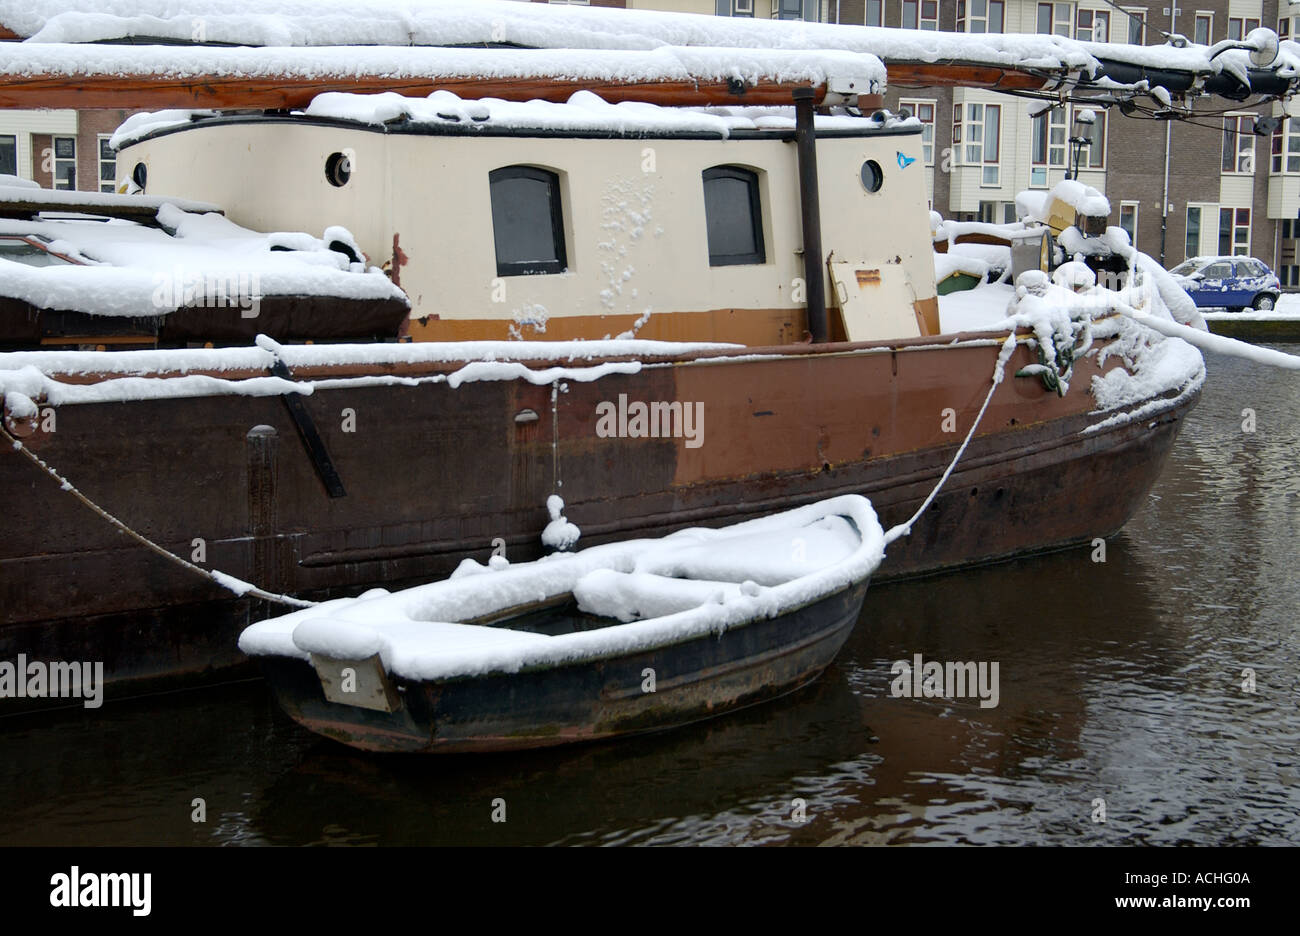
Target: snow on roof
133	270
583	112
686	585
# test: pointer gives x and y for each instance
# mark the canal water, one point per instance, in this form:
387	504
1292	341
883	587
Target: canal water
1124	695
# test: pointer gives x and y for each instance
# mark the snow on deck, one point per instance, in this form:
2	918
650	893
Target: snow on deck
687	585
17	193
129	269
584	111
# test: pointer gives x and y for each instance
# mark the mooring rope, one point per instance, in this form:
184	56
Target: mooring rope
228	582
905	529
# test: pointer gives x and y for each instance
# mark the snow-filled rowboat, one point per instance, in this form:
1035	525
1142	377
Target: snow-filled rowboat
614	640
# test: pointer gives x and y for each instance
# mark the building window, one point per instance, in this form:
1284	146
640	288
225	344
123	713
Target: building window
982	143
1128	220
1234	232
924	112
985	16
1204	28
1283	27
1239	145
733	216
1094	26
922	14
8	155
737	7
785	9
527	221
107	166
1285	147
1193	245
1094	155
1136	27
872	16
1239	27
1056	18
65	162
1049	146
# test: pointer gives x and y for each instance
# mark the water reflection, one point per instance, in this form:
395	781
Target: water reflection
1119	681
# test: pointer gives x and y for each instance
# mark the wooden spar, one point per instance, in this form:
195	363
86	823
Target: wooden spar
963	75
294	92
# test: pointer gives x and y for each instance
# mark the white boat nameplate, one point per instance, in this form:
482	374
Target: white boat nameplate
363	683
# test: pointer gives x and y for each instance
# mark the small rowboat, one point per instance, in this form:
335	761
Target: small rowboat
610	641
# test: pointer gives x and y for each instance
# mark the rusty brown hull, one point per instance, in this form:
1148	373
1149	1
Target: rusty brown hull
434	474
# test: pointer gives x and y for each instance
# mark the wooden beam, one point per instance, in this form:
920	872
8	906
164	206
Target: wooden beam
961	75
295	92
273	93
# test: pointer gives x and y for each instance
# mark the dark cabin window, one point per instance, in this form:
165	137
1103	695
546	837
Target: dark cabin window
527	221
734	216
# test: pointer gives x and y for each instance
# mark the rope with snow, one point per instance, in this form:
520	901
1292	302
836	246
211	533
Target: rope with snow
228	582
1004	355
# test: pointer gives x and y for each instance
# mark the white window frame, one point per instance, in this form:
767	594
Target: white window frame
1243	145
927	146
1234	229
1095	19
1281	162
1133	234
930	24
14	137
866	12
1135	18
100	162
1057	154
1062	19
57	160
1209	29
1243	26
966	17
976	130
1205	209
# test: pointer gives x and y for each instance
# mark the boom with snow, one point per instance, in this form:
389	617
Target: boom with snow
242	54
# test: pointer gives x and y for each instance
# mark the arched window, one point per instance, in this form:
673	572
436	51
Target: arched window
527	221
734	216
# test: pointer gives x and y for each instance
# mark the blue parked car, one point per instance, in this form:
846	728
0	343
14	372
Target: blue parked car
1232	282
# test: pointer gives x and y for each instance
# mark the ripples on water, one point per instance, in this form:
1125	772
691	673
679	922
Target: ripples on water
1119	681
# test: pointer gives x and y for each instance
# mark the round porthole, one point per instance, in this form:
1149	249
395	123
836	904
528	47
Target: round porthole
338	169
140	175
872	176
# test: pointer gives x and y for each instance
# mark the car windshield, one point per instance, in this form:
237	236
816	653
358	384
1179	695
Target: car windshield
1187	266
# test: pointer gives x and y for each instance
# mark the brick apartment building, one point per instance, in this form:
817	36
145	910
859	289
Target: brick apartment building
62	149
1229	191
